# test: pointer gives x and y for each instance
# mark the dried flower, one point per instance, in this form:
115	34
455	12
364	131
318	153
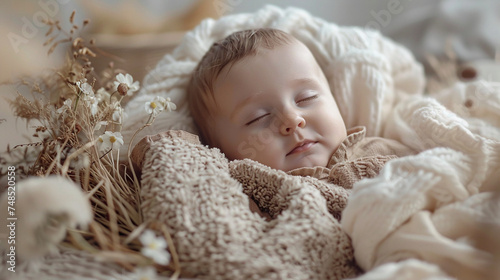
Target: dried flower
145	273
118	114
122	89
44	208
47	206
169	105
154	247
85	88
103	95
156	106
99	124
66	106
125	84
93	104
110	141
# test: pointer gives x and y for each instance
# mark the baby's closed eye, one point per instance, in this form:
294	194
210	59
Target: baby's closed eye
306	99
257	119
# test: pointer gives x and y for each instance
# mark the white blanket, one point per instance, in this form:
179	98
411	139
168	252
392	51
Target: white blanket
431	206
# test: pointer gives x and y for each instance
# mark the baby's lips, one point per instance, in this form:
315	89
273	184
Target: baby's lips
302	146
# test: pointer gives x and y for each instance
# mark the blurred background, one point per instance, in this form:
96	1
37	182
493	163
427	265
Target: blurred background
135	34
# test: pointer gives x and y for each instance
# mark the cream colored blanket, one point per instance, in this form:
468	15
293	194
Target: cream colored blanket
435	205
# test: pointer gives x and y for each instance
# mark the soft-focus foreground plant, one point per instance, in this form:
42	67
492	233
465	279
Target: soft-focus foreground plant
78	115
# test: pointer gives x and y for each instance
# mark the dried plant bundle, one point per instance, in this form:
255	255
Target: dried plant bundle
79	115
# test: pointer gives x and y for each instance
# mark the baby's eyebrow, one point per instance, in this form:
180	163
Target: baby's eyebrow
300	81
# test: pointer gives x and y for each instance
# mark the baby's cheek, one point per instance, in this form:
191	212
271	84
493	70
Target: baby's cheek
245	150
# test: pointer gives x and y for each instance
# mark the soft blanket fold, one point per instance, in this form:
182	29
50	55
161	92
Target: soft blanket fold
429	206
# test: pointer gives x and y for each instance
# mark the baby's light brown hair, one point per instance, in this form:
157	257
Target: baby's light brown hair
222	54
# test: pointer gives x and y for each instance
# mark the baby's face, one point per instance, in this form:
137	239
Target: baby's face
276	108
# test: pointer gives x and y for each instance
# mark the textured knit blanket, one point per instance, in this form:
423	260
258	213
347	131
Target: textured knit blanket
202	198
436	205
416	220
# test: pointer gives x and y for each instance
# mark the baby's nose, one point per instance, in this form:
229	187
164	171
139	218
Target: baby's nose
291	122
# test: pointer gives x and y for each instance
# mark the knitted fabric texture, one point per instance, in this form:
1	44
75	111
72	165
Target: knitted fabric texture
425	206
356	158
189	188
347	173
265	186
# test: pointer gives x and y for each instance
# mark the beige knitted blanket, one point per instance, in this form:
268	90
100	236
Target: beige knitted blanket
200	196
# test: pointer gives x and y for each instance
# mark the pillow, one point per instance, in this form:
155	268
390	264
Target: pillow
368	74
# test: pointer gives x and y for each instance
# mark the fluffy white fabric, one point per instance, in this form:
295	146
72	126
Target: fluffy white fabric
406	270
429	206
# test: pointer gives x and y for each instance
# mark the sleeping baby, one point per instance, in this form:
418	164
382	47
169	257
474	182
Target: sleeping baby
260	94
269	206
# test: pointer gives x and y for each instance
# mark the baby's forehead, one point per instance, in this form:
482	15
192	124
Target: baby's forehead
288	63
299	48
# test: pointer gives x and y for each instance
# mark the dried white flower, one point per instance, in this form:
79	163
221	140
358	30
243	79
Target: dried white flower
85	88
110	141
156	106
154	247
145	273
169	105
44	208
93	104
66	106
119	114
103	95
125	84
99	124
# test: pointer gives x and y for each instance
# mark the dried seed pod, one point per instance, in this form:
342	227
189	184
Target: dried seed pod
122	89
89	52
72	17
77	41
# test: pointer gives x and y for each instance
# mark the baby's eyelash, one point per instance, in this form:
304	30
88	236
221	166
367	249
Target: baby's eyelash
256	119
308	98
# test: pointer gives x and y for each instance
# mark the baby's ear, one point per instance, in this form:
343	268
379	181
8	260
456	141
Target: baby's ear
140	150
